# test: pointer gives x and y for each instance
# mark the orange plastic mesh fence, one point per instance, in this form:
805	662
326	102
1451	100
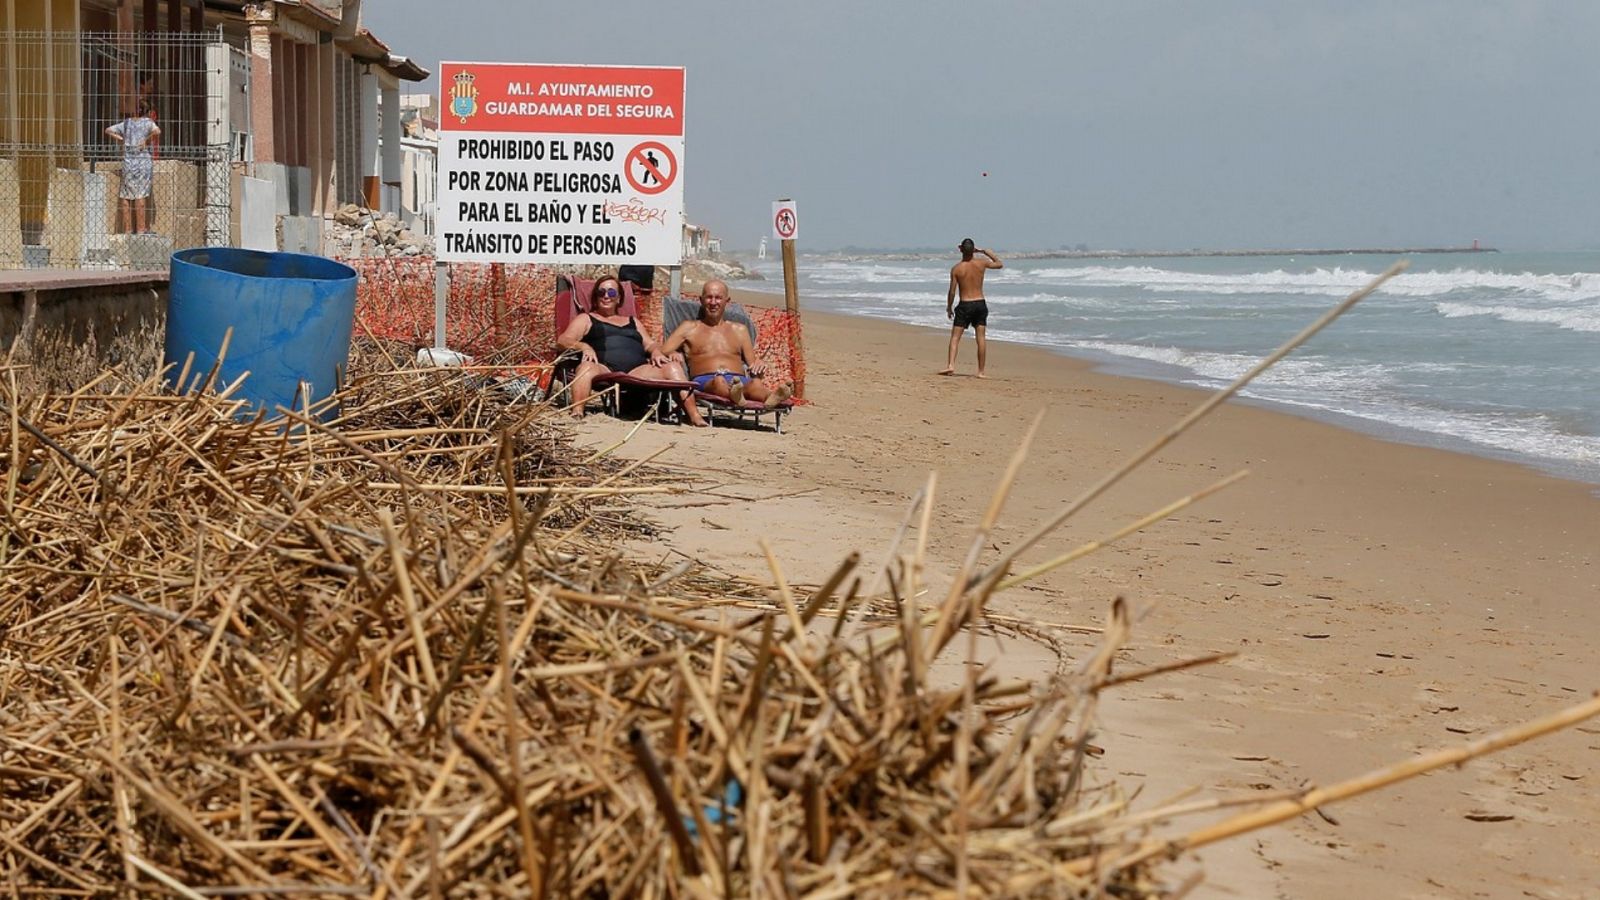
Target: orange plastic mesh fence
497	313
505	314
777	337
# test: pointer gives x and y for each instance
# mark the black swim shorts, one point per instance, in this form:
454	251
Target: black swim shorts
971	312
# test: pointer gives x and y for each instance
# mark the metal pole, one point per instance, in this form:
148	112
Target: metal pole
441	292
218	174
791	301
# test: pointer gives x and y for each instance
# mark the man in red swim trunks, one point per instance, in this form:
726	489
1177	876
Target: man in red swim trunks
967	278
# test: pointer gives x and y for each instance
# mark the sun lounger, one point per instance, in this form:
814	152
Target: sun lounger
676	310
713	407
572	299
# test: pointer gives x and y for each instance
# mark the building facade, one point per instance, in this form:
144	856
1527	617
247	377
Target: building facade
271	115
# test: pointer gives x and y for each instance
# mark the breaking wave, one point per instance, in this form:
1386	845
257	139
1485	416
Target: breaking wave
1330	282
1569	318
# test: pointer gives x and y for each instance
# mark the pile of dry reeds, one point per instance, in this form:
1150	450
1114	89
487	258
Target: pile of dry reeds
395	653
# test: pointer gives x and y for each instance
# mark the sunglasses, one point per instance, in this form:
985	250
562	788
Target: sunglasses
613	293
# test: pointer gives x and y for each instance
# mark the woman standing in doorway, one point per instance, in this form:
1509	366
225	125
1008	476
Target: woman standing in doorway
135	133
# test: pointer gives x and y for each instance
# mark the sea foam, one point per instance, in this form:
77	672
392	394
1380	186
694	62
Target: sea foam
1329	282
1571	318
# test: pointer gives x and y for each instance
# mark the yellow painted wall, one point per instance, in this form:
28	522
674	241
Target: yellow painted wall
67	68
30	74
43	98
8	90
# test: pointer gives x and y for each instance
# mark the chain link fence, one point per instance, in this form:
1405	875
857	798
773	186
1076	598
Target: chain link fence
116	148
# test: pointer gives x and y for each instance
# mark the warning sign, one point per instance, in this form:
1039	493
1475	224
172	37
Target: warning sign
560	164
785	220
652	167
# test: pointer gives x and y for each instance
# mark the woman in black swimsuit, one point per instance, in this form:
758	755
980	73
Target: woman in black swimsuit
608	341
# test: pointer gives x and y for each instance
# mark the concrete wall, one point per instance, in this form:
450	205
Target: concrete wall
390	196
82	205
291	187
258	222
10	216
175	207
418	185
300	234
68	336
182	216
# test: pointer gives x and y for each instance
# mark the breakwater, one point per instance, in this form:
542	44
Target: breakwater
1318	251
1173	254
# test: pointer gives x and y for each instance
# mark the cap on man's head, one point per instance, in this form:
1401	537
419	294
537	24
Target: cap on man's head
967	246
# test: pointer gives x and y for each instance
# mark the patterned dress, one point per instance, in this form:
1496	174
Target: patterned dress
136	163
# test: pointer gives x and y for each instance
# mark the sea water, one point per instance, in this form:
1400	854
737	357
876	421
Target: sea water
1490	353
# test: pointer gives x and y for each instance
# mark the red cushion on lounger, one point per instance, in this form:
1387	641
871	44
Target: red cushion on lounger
626	380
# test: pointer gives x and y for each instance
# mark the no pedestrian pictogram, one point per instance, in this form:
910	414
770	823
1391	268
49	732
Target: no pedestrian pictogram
785	222
651	167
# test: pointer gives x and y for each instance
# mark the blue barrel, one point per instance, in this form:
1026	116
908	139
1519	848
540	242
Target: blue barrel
291	316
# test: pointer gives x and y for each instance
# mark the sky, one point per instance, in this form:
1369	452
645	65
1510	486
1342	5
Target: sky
1129	124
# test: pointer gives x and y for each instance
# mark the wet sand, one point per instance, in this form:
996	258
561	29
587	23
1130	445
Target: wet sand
1385	599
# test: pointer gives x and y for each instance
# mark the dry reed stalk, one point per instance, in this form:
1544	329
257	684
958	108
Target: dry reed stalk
650	768
958	604
293	649
1200	412
1132	527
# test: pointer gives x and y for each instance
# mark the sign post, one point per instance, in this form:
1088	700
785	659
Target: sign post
441	293
560	164
786	225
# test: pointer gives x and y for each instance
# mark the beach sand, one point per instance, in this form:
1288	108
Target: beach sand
1384	599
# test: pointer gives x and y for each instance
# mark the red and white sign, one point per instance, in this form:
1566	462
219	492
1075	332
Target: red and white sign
648	173
785	220
560	164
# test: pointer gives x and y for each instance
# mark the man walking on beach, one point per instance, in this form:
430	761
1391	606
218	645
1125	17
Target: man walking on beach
967	277
721	358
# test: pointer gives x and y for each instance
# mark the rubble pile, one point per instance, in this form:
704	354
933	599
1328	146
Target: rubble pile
722	268
355	231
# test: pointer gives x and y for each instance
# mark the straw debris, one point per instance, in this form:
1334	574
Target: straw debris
392	652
